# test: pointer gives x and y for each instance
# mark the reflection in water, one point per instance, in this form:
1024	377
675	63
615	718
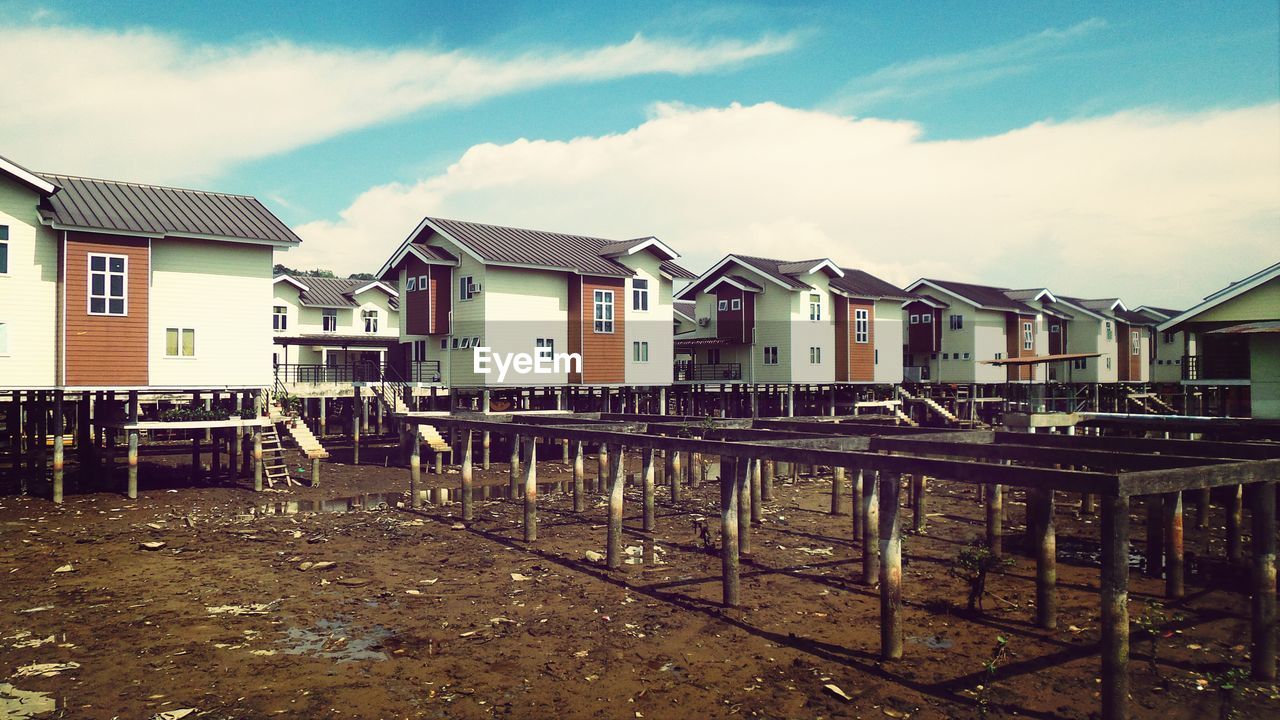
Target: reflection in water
353	503
335	639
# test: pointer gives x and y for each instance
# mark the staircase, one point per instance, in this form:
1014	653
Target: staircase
904	418
433	439
1162	405
306	441
929	403
1138	400
273	461
390	392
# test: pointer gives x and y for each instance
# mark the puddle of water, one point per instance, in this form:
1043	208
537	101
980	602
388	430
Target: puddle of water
353	503
933	642
334	639
1083	552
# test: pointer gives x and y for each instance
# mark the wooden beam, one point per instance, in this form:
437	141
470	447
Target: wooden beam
1184	448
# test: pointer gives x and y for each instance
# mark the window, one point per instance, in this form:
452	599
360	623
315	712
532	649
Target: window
771	355
966	356
957	322
1177	361
280	318
179	342
1109	335
1108	362
1135	343
640	352
946	356
4	339
915	319
604	311
927	318
370	318
877	357
1053	328
466	343
722	305
457	343
1168	336
107	294
815	355
640	295
422	283
1079	363
464	288
444	343
4	249
329	320
419	350
999	356
475	341
1028	336
735	304
815	307
861	326
544	347
412	283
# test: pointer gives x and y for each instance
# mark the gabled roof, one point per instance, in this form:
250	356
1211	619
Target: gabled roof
774	270
156	211
736	281
1233	290
1158	312
336	292
985	297
520	247
1030	295
26	177
675	271
809	267
860	283
687	309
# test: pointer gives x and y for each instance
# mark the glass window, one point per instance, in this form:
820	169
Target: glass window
640	294
927	318
735	304
603	311
370	318
915	319
180	342
771	355
544	347
815	355
640	352
422	283
1135	343
1109	335
465	289
957	322
329	320
861	326
280	318
4	249
107	289
815	306
412	283
1028	336
722	305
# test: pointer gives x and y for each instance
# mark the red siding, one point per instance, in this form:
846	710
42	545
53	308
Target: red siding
735	325
575	321
442	298
843	333
106	350
1058	338
415	305
603	354
924	337
862	356
1014	348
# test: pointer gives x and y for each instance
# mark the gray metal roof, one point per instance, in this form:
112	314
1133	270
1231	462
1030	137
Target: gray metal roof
864	284
155	210
676	271
536	248
772	268
333	292
986	296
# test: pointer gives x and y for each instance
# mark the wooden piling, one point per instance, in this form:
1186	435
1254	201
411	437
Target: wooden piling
617	486
514	474
356	404
257	458
415	467
1174	585
646	472
742	472
579	492
729	537
871	529
1114	591
766	482
890	568
757	510
837	489
58	447
1204	506
857	512
468	480
1046	559
920	509
995	519
673	474
1263	597
1155	535
131	491
484	449
1235	520
602	467
530	489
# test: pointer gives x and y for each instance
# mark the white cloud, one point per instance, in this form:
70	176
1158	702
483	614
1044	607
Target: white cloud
945	73
145	105
1157	208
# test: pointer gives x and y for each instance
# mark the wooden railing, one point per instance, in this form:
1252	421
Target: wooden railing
686	371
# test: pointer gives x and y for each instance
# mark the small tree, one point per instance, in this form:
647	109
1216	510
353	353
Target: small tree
1228	685
972	564
991	664
1153	621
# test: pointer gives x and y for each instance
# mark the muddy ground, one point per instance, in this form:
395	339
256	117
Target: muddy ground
419	617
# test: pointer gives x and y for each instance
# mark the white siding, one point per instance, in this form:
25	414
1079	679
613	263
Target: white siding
889	341
222	291
806	334
28	292
653	326
521	305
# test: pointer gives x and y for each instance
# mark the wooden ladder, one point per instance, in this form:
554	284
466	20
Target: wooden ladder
273	461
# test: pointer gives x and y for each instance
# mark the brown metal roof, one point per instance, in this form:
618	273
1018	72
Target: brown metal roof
155	210
535	248
333	292
864	284
676	271
773	268
986	296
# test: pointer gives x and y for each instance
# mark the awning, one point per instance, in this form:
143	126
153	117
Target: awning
1038	359
702	342
1253	328
339	341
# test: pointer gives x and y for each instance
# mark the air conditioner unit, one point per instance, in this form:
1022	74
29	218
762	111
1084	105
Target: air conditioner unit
703	322
476	288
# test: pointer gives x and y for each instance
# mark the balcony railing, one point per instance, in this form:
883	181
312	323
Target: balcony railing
686	371
427	371
1218	366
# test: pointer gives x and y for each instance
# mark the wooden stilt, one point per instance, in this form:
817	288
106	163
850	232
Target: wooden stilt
356	404
1046	560
602	466
1115	607
1204	506
672	471
58	446
871	529
579	491
257	458
766	484
1263	597
858	512
484	447
743	475
514	475
1155	535
530	489
995	519
415	466
315	472
890	568
1235	520
617	487
920	509
131	491
647	456
1174	586
468	481
729	537
837	489
757	510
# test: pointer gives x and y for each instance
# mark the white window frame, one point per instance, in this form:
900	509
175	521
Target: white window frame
544	347
640	294
4	339
1135	343
999	356
1108	362
444	343
735	304
926	318
861	326
107	273
457	343
181	344
1110	336
325	315
815	307
770	354
280	318
475	341
464	287
602	305
957	322
4	249
915	319
815	355
1028	335
466	343
366	316
722	305
411	284
966	356
640	351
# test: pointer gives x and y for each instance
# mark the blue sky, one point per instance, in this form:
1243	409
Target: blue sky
959	76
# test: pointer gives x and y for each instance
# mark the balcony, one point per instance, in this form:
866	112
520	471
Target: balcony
1217	366
688	371
362	372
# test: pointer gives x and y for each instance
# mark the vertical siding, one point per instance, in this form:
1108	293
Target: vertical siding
28	292
104	350
416	303
440	298
862	367
603	354
573	284
732	324
844	337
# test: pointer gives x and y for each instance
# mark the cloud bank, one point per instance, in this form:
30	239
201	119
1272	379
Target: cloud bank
147	106
1157	208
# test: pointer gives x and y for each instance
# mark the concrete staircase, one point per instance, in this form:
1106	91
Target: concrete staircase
930	403
905	418
301	435
433	439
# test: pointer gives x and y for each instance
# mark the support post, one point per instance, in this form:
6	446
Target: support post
257	458
757	509
579	491
484	445
1263	598
647	456
468	484
766	483
673	474
58	448
315	472
132	489
1115	607
356	403
857	511
871	529
1235	520
530	489
514	475
837	488
743	475
617	485
1174	586
995	519
602	463
1155	535
890	568
1046	560
920	508
729	538
415	466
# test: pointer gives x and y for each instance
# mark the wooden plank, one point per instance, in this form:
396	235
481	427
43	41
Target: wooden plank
1096	459
1185	448
1149	482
